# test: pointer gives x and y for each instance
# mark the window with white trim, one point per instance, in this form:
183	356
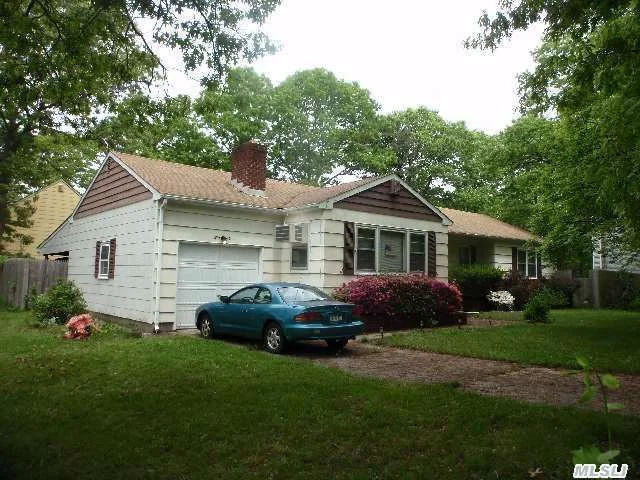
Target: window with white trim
103	267
389	250
299	257
299	246
417	252
366	249
528	263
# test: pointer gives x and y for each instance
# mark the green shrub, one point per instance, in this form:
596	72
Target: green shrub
521	287
634	304
620	290
475	283
562	284
554	298
63	301
5	306
537	309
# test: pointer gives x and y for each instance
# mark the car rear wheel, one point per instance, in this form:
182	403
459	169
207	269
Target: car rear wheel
337	343
274	339
206	326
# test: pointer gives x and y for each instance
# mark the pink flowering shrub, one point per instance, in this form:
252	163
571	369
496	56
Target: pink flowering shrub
414	298
80	326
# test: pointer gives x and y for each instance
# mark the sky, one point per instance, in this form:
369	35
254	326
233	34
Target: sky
407	53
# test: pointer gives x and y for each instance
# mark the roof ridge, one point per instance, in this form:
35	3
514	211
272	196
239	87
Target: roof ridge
325	188
198	167
50	184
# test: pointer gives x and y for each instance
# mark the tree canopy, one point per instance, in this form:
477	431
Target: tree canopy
62	62
585	77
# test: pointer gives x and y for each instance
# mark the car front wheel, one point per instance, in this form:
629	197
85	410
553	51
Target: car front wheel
273	337
206	326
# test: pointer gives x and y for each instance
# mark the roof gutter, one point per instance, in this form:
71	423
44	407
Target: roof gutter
205	201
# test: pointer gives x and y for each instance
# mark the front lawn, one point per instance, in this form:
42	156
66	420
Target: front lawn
182	407
610	338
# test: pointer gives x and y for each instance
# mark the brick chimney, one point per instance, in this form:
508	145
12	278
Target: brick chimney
249	168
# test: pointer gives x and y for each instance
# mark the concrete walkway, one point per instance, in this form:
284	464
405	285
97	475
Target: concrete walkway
534	384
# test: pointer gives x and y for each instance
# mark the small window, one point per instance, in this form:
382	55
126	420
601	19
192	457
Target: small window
299	256
246	295
105	250
528	263
366	250
467	255
522	262
263	296
417	254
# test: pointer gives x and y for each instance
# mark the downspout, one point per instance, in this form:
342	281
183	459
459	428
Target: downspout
162	202
322	249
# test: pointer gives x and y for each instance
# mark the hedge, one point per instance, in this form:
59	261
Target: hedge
402	301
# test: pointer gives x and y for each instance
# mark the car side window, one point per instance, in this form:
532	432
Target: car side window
263	296
246	295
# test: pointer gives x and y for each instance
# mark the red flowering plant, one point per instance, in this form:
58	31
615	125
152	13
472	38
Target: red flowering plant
414	298
80	327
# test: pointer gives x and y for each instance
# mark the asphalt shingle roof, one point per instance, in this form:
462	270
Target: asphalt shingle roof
200	183
478	224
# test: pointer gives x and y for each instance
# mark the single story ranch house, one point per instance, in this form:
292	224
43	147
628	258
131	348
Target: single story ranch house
151	240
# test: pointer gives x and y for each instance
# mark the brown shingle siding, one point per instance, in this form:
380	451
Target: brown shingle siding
382	200
113	187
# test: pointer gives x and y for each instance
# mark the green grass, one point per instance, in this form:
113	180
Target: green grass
609	338
182	407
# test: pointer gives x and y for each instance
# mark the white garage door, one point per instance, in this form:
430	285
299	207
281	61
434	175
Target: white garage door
206	271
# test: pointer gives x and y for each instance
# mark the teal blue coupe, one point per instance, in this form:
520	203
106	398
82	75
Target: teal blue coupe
280	313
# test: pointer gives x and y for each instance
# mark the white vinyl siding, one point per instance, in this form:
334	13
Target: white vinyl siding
199	225
130	294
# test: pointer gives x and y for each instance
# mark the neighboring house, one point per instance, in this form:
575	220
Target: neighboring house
607	257
151	240
479	238
53	204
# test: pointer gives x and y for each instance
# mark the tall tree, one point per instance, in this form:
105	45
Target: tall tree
238	110
586	75
316	126
63	60
433	155
165	128
323	127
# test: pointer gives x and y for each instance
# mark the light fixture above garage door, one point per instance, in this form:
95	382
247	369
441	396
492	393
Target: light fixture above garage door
223	239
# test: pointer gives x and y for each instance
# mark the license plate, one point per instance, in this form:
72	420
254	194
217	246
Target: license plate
335	317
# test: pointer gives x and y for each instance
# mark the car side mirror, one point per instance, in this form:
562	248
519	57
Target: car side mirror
223	298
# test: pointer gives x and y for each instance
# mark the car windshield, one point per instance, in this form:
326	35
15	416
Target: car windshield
301	293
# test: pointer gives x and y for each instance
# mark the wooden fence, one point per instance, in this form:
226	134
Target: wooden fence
21	276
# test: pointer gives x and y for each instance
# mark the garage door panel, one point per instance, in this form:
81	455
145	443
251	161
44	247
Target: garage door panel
206	271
